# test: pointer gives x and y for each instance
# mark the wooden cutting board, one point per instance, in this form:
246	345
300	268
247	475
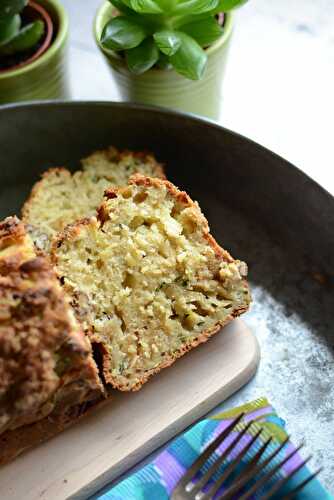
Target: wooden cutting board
115	437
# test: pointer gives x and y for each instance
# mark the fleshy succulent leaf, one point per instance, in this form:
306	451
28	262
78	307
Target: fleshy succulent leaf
168	41
126	2
122	7
9	8
145	6
25	39
166	33
227	5
122	33
195	6
143	57
190	59
9	28
205	31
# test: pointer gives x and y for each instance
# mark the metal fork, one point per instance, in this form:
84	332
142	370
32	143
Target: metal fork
260	471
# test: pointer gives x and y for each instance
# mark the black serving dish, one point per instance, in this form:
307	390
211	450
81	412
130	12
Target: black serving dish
260	207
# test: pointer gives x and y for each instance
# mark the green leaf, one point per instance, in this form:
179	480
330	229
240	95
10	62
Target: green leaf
121	7
190	60
9	28
227	5
145	6
9	8
168	41
122	33
165	5
205	31
195	6
25	39
126	2
143	57
147	20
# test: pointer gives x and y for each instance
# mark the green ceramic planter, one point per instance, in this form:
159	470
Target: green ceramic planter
46	77
166	87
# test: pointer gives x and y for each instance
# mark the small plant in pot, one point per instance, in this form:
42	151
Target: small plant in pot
168	52
21	36
32	42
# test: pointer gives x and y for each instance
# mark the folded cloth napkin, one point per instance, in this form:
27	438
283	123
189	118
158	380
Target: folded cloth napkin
156	480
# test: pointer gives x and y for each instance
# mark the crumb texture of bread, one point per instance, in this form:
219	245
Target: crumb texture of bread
46	363
61	198
147	279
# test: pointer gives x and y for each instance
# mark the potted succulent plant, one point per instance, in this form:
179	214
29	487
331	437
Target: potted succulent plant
167	52
32	43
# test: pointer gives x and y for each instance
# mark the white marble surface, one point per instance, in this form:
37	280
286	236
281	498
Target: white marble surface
279	87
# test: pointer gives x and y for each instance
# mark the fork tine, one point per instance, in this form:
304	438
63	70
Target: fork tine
277	486
215	466
300	486
262	481
252	470
196	466
232	466
258	455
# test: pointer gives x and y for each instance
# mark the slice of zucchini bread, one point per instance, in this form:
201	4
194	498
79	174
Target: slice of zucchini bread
61	198
147	279
46	363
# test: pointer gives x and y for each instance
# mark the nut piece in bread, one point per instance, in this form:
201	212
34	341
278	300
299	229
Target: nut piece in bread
61	198
147	279
46	363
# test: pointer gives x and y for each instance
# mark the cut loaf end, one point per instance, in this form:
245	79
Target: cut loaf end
46	363
61	198
147	280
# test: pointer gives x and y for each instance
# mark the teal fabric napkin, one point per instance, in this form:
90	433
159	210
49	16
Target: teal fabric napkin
156	480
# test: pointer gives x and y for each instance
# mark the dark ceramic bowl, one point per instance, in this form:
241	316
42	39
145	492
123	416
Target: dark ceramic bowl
260	207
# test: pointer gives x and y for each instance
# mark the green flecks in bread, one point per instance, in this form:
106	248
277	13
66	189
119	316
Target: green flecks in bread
147	279
61	198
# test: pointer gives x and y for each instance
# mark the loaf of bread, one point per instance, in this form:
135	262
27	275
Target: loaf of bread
14	443
47	371
147	280
61	198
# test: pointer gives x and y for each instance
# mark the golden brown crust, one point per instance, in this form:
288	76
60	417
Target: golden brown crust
14	443
60	197
68	233
38	186
142	180
111	153
45	360
221	254
15	247
183	198
11	232
114	154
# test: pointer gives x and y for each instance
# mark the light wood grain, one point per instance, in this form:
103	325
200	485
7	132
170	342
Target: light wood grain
108	442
